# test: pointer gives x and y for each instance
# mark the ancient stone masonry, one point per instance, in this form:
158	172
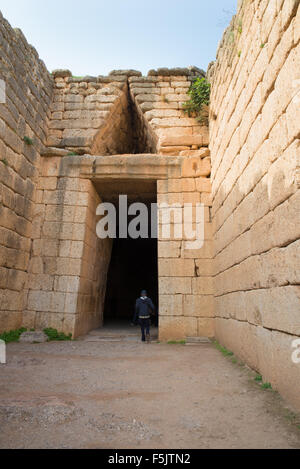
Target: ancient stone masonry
29	89
254	142
67	143
125	113
75	128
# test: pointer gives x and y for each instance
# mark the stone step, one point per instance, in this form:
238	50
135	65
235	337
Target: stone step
197	340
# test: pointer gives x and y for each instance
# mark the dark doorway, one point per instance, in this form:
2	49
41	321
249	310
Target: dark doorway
134	262
133	267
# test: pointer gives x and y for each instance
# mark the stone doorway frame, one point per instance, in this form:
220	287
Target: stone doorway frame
76	304
66	290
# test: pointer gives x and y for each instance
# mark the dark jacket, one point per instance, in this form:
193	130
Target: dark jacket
143	308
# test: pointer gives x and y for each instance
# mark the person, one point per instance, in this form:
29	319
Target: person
144	307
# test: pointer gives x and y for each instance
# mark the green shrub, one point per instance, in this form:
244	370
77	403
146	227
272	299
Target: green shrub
266	386
53	334
28	140
198	103
12	336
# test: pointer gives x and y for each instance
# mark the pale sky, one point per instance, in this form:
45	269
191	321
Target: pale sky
93	37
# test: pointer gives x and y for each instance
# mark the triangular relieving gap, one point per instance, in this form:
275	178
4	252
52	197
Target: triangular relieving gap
144	139
126	131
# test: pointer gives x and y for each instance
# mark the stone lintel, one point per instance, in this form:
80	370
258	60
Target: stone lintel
144	166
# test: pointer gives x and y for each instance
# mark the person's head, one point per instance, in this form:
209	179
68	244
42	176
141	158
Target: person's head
143	293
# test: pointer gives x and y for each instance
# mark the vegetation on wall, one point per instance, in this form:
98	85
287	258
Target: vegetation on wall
54	335
12	336
197	105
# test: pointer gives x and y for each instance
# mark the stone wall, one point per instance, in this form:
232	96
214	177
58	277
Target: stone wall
68	265
254	142
125	113
185	274
90	114
158	99
24	114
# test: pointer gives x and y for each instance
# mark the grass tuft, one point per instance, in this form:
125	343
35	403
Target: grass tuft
28	140
12	336
176	342
223	350
54	335
266	386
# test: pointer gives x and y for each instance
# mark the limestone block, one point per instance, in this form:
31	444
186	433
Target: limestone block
204	267
71	303
190	327
196	167
67	284
177	97
171	328
175	285
28	319
201	306
297	27
170	198
40	282
171	305
191	198
182	140
175	151
169	185
39	301
206	252
206	199
203	286
33	337
289	9
169	249
170	132
46	319
142	98
171	122
137	90
10	320
240	338
202	153
176	268
206	327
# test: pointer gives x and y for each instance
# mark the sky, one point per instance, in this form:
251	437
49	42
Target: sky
93	37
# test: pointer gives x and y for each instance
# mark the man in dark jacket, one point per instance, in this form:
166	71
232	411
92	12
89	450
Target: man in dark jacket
144	307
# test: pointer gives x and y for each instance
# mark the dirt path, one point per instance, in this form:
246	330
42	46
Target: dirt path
112	392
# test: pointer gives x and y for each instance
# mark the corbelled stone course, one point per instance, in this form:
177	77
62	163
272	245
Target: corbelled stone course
254	143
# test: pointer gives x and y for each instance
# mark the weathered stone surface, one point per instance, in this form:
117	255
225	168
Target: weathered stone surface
33	337
2	352
254	151
53	268
61	73
127	73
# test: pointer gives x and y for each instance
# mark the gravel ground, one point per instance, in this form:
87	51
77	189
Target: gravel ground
109	391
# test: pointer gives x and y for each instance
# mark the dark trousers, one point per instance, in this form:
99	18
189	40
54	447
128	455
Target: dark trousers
145	326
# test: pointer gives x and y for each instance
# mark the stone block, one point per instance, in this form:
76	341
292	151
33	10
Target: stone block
171	328
201	306
171	305
33	337
175	285
176	268
206	327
